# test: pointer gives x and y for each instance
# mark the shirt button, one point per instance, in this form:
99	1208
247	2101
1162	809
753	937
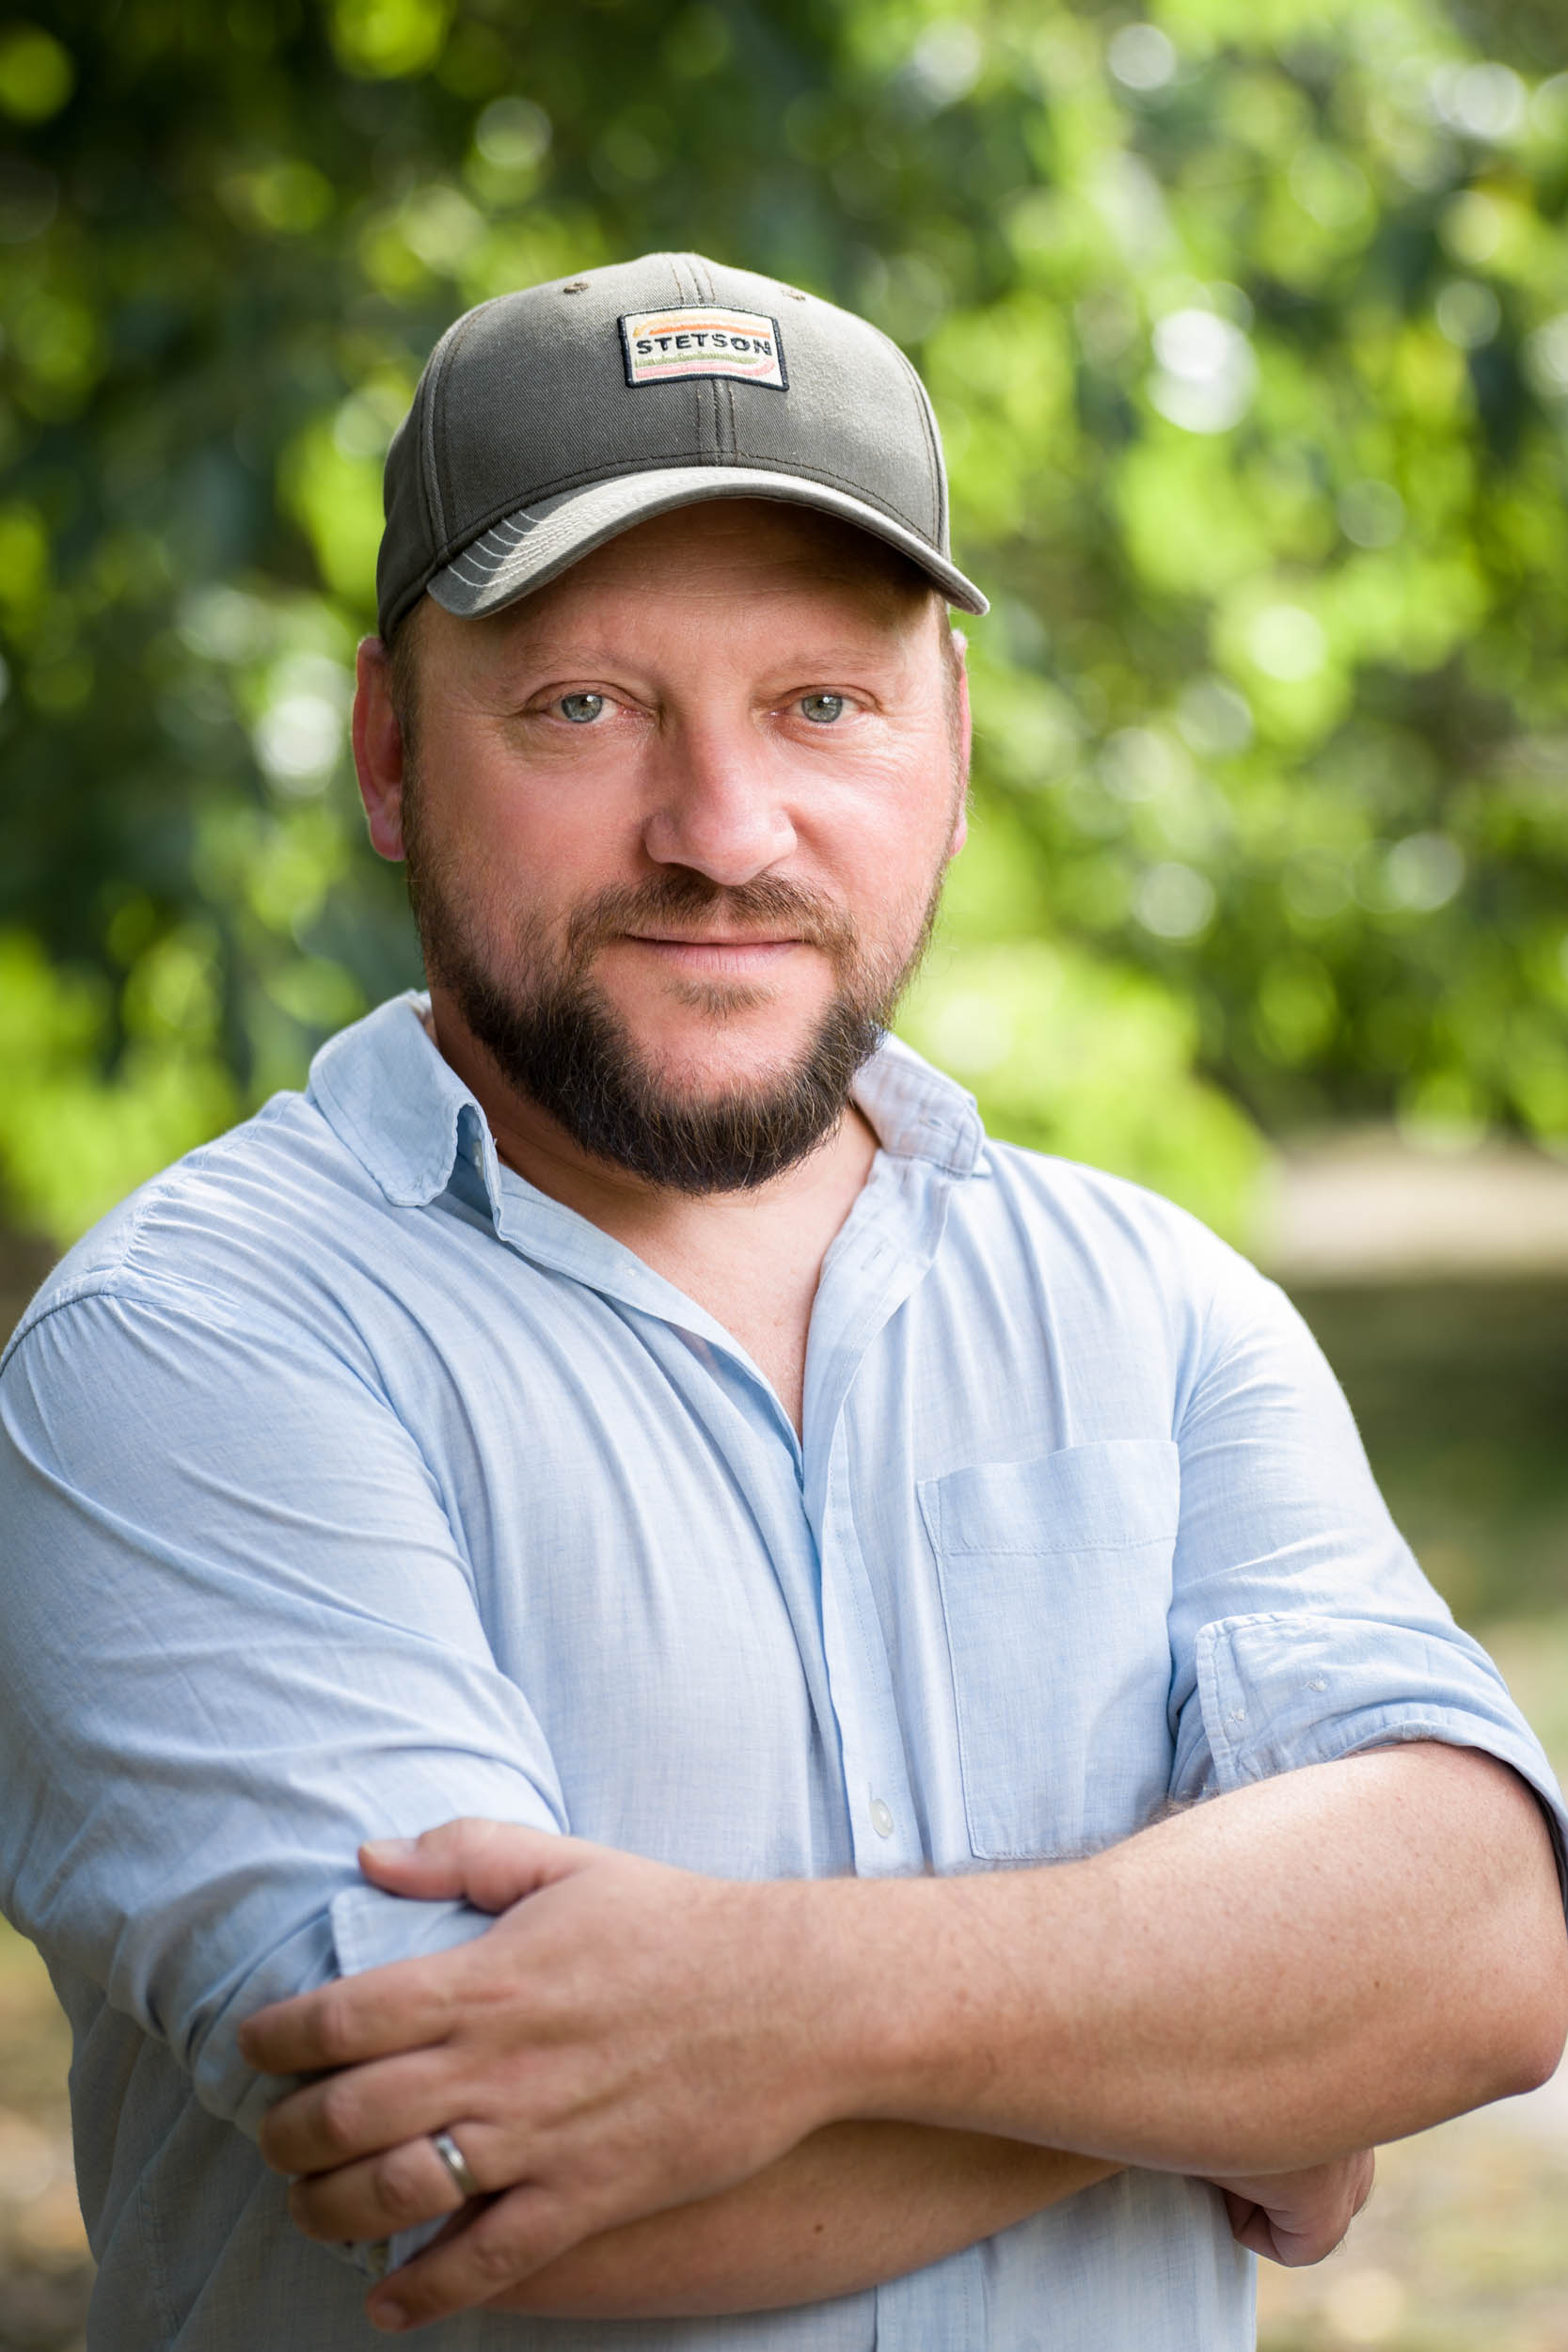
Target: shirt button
881	1818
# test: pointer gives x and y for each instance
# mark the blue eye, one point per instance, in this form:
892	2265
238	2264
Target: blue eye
581	709
822	710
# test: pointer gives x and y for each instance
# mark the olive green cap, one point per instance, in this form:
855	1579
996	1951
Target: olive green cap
549	420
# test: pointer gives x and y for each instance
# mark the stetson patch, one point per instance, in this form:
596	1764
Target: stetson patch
696	339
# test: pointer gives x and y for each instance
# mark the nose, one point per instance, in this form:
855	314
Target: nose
716	807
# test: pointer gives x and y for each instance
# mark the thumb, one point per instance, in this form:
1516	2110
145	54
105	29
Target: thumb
490	1864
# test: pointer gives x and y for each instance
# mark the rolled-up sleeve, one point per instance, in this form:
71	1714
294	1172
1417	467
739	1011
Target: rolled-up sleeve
239	1637
1302	1628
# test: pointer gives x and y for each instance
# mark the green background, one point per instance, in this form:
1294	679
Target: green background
1247	326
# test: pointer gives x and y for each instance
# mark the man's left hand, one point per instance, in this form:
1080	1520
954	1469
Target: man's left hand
1298	2217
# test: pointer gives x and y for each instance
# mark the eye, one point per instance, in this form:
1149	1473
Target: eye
581	709
822	710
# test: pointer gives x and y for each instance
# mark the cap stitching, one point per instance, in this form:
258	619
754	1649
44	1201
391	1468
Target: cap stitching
430	468
459	335
429	487
923	403
703	280
720	388
688	288
683	269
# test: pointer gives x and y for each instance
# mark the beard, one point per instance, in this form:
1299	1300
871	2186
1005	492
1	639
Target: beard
554	1036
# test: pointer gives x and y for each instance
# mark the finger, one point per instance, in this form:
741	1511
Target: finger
406	2004
1298	2239
1250	2227
1240	2211
376	2197
507	2241
492	1864
362	2111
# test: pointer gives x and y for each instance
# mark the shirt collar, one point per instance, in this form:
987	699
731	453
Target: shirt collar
918	1113
388	1094
401	1109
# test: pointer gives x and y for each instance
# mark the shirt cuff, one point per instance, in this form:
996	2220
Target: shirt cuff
369	1929
1281	1690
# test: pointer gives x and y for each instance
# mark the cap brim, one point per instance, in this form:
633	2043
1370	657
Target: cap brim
527	548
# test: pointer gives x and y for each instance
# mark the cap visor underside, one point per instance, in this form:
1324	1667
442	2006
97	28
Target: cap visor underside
533	546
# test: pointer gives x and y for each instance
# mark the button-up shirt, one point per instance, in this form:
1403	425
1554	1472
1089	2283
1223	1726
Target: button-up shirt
348	1484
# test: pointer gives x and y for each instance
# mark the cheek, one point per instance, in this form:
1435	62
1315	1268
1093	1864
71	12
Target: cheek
899	850
548	836
888	900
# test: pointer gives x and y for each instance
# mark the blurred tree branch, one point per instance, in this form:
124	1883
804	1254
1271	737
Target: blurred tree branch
1248	329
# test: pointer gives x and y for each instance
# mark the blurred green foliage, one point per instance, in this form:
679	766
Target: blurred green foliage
1247	325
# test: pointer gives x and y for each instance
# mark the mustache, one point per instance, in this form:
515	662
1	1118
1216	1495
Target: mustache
769	903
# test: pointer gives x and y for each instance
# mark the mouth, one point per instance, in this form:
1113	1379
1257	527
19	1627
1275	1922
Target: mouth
742	952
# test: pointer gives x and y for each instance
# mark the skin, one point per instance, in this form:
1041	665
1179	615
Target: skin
705	631
630	2038
694	2095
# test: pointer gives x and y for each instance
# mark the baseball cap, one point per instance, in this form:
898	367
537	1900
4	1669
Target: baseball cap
547	422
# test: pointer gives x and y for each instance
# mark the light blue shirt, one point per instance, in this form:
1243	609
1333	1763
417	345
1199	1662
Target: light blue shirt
349	1484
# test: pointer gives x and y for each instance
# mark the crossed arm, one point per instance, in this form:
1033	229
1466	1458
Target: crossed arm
682	2077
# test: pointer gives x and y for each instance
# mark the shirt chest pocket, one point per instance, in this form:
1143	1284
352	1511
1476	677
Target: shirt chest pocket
1055	1580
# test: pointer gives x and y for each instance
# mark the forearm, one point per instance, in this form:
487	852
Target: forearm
849	2208
630	2040
1320	1963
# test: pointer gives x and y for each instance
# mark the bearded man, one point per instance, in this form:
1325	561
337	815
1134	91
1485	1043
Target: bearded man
616	1622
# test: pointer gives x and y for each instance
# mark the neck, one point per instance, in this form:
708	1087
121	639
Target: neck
648	1217
752	1259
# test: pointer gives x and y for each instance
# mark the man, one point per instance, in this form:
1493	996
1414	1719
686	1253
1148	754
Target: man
791	1565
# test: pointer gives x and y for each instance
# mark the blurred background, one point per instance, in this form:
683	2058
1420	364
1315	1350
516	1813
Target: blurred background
1246	322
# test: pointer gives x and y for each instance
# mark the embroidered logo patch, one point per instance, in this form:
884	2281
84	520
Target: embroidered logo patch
698	340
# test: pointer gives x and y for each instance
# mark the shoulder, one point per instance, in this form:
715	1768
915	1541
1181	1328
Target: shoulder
215	1231
1082	1220
1107	1227
1113	1271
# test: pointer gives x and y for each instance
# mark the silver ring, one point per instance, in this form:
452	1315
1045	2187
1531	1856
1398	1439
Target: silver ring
456	2163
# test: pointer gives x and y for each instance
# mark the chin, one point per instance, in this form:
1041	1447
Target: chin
711	1069
735	1044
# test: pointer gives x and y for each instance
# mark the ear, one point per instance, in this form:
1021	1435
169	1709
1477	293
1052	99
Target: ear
378	751
965	733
